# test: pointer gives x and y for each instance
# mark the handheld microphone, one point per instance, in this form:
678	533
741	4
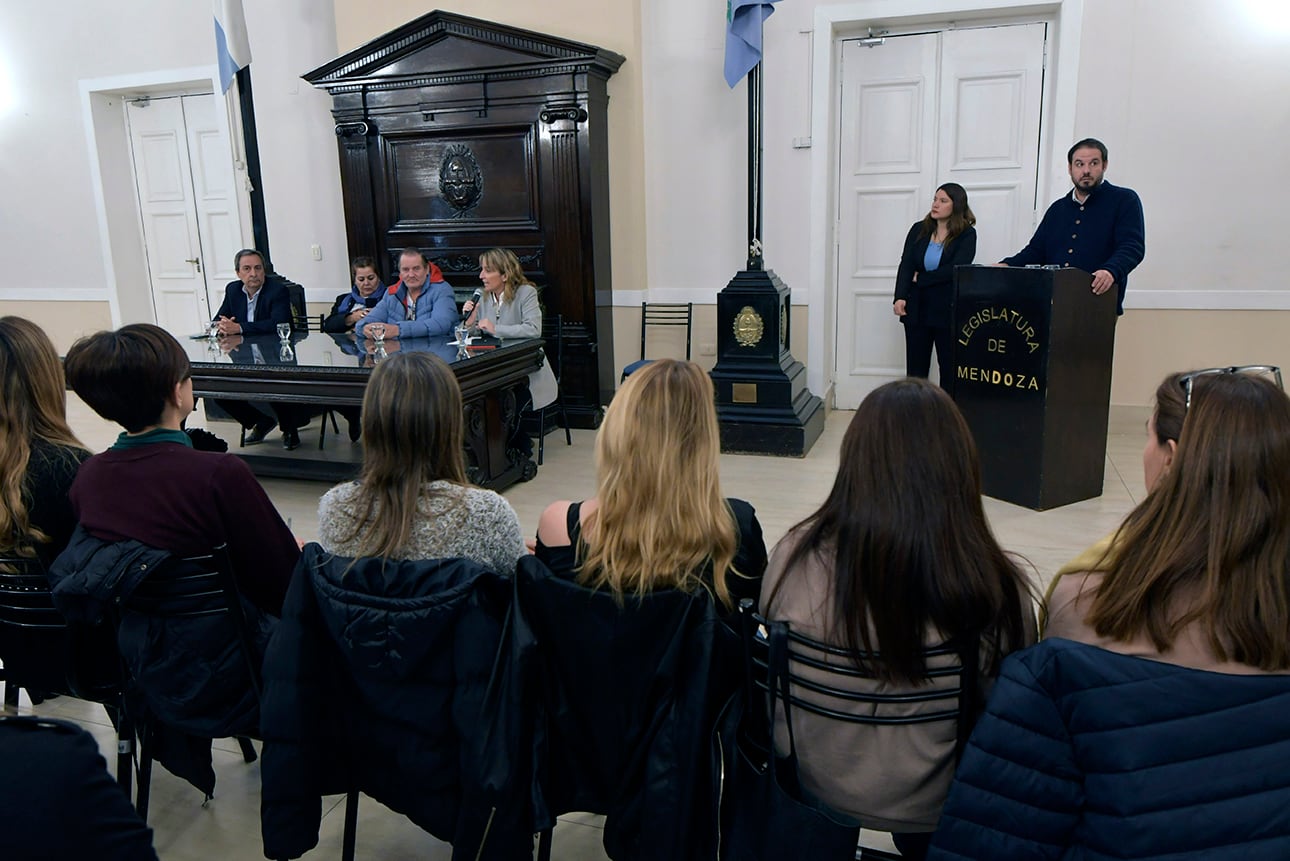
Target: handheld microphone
473	301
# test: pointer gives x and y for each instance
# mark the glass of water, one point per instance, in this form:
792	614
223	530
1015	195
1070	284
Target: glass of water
214	330
284	331
462	331
377	331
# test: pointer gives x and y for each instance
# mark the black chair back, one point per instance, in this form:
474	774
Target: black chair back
667	314
833	682
41	653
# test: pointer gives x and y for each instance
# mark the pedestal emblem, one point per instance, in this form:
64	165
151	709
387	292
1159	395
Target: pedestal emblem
748	327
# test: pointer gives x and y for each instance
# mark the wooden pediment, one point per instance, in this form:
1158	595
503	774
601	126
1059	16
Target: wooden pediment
443	47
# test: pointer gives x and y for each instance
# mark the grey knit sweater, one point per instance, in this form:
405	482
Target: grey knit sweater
452	521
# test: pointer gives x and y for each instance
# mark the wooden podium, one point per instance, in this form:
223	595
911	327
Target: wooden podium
1032	376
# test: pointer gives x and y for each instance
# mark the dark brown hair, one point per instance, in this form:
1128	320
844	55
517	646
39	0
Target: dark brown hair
127	376
1171	409
1211	542
961	217
906	537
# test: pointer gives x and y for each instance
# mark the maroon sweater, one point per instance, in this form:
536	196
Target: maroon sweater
172	497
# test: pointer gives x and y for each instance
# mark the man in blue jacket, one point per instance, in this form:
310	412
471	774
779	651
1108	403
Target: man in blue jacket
415	307
1098	227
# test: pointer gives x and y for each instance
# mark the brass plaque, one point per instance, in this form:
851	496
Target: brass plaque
743	393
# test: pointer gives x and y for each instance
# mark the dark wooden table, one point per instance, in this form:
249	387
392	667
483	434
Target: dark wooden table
325	370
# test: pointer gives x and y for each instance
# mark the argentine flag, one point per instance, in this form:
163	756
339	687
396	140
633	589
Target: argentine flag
232	47
743	36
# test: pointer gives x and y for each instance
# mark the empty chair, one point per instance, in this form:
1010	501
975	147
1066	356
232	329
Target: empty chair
662	314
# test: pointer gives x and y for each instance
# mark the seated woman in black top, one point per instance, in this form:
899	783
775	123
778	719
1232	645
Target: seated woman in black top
39	454
658	519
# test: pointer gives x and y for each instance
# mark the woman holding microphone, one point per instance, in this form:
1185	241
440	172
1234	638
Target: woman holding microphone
945	238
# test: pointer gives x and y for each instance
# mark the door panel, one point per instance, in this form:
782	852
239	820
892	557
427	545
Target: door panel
215	195
184	177
917	111
992	83
886	155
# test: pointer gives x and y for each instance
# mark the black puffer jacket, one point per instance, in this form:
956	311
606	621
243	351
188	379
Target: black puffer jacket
189	673
371	680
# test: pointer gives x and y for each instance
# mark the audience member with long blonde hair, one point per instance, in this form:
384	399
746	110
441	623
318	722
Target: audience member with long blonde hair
39	454
658	519
1151	721
412	499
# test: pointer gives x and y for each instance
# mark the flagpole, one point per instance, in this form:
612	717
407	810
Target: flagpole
755	259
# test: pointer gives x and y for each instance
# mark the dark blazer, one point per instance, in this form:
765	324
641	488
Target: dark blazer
273	307
928	300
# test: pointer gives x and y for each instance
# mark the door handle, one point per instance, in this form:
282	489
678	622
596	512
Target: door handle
197	261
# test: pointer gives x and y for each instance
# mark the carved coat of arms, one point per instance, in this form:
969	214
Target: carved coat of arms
460	181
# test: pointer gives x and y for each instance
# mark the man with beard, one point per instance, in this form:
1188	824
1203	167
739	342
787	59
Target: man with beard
1097	227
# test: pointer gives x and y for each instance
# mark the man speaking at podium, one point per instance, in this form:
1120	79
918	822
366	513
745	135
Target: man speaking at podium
1097	227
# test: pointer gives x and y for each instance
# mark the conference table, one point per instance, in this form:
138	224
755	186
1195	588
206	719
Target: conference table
323	370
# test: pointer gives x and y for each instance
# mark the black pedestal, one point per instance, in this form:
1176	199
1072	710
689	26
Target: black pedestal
763	404
1032	376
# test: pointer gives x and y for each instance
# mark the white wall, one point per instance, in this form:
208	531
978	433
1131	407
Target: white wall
51	236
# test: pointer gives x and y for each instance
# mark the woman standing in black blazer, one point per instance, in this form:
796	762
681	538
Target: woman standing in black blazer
925	280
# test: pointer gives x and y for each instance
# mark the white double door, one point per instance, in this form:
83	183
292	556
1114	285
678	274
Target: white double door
184	177
918	111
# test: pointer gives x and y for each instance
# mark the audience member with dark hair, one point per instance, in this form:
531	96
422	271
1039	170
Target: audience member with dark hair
411	499
39	454
898	559
57	800
1151	720
151	485
658	519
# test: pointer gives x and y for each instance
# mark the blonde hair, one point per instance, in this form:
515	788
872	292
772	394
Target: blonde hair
412	435
504	261
34	395
661	517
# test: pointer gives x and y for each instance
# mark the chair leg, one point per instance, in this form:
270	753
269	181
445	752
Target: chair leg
145	772
248	749
541	434
351	826
124	750
564	420
544	845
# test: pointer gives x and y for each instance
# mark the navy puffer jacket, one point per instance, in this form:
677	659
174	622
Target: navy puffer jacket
1089	754
372	677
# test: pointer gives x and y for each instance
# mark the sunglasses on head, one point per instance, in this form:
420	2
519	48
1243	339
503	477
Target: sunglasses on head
1186	380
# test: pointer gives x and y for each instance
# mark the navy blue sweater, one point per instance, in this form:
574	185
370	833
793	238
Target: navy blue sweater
1085	753
1104	232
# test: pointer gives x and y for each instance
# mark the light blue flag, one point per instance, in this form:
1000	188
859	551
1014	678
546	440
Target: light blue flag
232	47
743	36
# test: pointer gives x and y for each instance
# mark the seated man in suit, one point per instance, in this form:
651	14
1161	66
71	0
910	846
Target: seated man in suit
416	307
255	305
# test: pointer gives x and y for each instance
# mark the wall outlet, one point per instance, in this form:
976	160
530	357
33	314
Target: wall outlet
315	251
707	349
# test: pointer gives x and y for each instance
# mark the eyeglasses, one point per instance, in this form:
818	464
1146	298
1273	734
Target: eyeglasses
1186	380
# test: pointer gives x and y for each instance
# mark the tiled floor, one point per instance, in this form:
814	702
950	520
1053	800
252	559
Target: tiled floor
783	490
